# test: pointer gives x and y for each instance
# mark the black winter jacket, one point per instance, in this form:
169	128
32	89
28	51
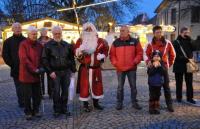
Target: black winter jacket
181	60
58	56
10	53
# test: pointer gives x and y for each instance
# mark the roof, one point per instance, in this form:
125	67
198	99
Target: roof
161	6
43	19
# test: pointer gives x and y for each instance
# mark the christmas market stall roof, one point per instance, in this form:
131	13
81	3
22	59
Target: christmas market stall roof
70	30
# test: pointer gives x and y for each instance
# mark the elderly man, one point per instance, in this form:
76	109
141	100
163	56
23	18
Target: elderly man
91	52
11	58
58	60
30	56
125	54
43	40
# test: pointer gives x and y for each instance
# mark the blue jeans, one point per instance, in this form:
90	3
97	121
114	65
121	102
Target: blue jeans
131	74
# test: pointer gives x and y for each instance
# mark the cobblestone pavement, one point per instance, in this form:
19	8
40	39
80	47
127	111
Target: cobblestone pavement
184	117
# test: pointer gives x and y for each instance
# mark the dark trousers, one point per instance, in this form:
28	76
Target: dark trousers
60	91
179	84
166	88
19	92
32	97
49	84
154	93
132	82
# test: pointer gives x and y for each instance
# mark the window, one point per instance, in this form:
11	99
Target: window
166	17
195	14
173	16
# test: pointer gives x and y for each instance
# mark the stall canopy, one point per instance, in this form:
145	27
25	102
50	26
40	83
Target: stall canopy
70	30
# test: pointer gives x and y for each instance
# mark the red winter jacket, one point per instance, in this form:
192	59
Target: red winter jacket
30	59
126	54
169	53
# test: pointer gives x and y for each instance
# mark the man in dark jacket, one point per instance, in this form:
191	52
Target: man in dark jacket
181	60
125	54
11	58
58	60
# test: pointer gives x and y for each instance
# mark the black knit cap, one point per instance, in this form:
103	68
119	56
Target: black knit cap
156	52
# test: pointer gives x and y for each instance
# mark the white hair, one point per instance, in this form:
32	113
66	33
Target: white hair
56	28
16	24
43	29
88	24
31	29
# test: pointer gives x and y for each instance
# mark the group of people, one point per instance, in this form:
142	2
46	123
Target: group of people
29	58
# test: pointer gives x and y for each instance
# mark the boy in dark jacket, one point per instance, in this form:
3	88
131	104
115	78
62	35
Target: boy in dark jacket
155	81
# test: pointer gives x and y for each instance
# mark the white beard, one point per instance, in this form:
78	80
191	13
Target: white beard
89	42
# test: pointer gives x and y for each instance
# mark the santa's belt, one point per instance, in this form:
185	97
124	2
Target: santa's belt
90	67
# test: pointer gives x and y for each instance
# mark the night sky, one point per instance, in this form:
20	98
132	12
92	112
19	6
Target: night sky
148	6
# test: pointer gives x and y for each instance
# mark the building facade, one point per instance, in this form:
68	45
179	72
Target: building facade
179	13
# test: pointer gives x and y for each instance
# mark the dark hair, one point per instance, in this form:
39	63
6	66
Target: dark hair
156	28
162	40
184	29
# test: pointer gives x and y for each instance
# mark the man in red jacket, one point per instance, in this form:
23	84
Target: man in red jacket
125	54
91	52
168	57
30	56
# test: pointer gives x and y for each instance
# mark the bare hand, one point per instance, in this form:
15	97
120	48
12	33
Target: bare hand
53	75
156	64
149	64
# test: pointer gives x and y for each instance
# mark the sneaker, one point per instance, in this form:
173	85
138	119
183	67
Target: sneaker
119	106
28	117
136	106
170	108
192	101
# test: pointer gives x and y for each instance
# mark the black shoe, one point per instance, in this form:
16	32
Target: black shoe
157	111
56	114
86	109
170	108
192	101
136	106
179	100
28	117
98	107
119	106
21	105
151	111
38	115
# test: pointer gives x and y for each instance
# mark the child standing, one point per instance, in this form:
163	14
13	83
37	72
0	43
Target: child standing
155	80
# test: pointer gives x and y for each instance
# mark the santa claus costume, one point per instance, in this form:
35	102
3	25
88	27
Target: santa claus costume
90	52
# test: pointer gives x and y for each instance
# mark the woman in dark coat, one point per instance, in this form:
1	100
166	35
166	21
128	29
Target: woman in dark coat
184	41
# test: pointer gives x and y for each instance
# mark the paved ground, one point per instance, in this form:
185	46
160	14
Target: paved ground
184	117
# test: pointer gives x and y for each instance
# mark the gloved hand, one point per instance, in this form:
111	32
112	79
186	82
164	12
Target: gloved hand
100	56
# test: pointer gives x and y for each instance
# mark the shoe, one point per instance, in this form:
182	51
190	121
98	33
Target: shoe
119	106
86	109
38	115
56	114
170	108
192	101
98	107
21	105
28	117
157	111
136	106
179	100
151	111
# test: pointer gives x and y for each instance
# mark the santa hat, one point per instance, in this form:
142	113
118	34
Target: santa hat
88	24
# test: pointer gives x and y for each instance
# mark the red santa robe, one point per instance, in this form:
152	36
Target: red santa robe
89	73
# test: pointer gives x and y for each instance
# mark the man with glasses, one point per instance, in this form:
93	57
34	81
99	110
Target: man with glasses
58	60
